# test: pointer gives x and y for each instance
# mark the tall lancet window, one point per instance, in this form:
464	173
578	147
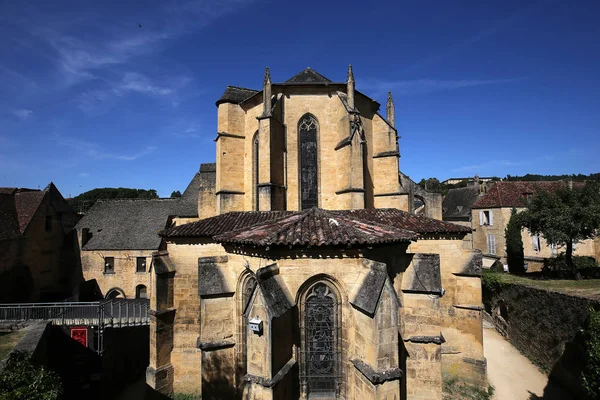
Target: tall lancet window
309	172
320	369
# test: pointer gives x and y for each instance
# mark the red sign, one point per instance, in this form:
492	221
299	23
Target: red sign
80	335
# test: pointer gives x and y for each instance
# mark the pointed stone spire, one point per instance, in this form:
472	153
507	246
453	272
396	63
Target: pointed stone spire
350	87
390	110
267	92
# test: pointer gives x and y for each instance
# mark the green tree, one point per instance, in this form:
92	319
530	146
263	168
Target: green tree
590	375
564	217
23	380
176	193
514	245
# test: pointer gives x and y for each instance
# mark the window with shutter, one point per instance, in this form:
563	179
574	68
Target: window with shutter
491	218
480	217
491	244
535	242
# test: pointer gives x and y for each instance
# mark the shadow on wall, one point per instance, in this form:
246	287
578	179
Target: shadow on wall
216	382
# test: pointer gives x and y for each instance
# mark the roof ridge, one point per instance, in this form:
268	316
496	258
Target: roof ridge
243	88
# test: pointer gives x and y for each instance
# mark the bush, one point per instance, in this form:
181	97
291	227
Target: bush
23	380
591	372
557	267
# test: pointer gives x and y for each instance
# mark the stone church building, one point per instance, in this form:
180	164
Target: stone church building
305	275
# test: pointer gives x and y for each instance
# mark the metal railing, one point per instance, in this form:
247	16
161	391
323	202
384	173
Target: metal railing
115	313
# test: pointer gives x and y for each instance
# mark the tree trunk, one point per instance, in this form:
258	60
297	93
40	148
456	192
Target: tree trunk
569	259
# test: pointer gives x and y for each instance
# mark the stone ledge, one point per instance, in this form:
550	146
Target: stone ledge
235	192
216	345
158	313
469	307
231	135
215	259
350	190
426	339
393	153
389	194
273	381
377	377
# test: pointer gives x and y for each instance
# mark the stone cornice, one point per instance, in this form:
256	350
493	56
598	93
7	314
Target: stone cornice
473	307
229	192
377	377
389	194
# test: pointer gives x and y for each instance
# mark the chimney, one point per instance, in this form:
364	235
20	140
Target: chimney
350	87
267	93
390	110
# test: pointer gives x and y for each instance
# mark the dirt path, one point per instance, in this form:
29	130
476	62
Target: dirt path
513	376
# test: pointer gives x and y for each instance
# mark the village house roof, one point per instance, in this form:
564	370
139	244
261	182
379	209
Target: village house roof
514	194
19	205
314	227
458	203
129	224
133	224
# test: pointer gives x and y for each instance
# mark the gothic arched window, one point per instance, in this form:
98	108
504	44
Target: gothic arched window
247	290
321	363
309	173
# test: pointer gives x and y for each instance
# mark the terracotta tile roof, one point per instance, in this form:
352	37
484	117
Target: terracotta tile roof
317	227
514	194
27	203
314	227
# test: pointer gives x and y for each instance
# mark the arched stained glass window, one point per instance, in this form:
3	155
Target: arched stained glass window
321	347
309	174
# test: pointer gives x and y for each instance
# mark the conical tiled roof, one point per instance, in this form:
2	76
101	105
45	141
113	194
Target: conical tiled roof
317	227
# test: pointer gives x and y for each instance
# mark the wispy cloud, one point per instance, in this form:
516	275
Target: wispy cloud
98	152
22	113
424	86
475	168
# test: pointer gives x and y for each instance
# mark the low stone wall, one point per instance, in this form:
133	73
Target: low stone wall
543	325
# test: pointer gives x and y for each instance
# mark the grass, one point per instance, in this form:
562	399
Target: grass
453	389
589	288
8	341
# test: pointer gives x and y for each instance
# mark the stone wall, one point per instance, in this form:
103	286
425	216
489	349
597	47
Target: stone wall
543	325
125	276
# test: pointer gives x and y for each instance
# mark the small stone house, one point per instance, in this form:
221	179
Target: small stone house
490	216
117	237
307	276
38	252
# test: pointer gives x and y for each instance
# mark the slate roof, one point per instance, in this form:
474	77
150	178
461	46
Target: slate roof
314	227
458	203
514	194
308	75
235	95
129	224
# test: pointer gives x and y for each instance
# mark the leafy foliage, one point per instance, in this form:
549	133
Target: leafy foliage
591	372
514	245
176	193
453	389
573	177
565	216
559	263
86	200
22	380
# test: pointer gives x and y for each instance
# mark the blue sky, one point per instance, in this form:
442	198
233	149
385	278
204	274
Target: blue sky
88	98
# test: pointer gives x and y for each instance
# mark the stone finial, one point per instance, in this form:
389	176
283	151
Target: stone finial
390	110
350	77
267	93
350	87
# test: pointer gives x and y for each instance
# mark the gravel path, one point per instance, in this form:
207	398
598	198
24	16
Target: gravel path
513	376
